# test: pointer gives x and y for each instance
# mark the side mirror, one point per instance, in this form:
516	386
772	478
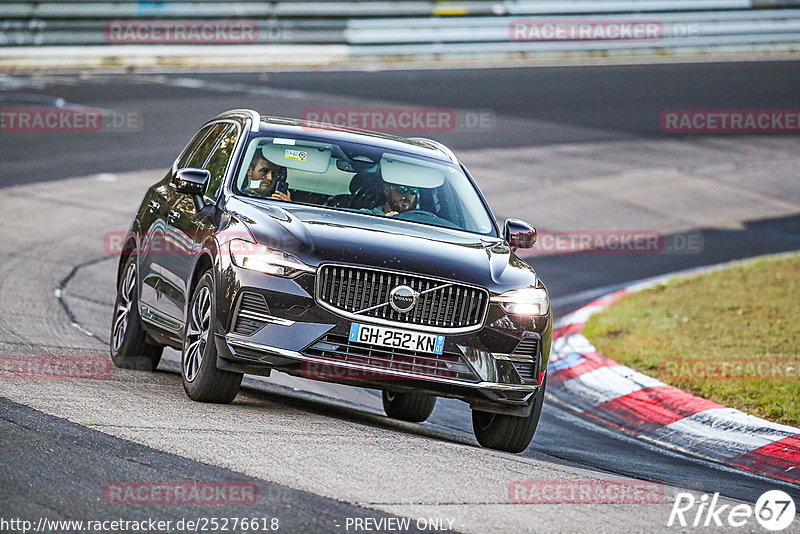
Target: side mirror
519	234
191	181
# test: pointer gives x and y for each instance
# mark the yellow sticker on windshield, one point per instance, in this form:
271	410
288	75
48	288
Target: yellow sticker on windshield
298	155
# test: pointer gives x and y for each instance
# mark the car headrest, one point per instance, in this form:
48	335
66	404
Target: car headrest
364	179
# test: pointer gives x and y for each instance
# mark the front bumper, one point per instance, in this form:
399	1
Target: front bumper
490	396
308	340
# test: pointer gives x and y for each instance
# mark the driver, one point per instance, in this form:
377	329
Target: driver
263	177
399	198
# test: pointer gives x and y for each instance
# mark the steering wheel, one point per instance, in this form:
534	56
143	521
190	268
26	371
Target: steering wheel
423	215
416	215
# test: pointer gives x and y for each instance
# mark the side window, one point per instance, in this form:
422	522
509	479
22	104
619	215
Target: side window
190	149
200	155
218	162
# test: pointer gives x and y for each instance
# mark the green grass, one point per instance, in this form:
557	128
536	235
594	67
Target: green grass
746	313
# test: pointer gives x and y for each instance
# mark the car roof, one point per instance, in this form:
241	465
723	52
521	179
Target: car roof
277	126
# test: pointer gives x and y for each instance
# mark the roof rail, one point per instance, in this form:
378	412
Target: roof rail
439	146
254	116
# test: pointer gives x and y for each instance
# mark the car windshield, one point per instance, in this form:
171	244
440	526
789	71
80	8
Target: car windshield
363	179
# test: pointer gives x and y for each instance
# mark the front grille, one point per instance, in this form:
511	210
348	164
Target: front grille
365	293
251	306
338	348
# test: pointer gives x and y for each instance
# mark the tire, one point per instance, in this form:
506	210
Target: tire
507	432
412	407
202	381
129	344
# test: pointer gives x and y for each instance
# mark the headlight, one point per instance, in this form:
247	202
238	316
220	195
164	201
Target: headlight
266	260
528	301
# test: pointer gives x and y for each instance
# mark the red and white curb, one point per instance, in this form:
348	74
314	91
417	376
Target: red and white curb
600	388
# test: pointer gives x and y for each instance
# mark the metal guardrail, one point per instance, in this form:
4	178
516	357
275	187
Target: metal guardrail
343	9
348	9
409	27
78	32
691	29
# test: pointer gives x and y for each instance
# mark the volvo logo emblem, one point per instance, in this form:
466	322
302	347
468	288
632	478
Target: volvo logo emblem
403	298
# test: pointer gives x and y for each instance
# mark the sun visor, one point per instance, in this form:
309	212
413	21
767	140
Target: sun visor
410	172
304	158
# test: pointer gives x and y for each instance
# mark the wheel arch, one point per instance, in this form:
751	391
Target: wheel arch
128	249
205	262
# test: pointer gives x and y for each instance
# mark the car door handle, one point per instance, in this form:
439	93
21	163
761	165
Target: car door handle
153	206
174	214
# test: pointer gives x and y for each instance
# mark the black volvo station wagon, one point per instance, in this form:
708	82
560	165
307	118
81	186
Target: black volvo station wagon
340	255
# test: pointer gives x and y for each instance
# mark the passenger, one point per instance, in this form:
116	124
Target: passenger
399	198
263	178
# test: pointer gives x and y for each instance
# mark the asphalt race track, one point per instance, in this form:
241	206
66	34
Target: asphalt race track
570	148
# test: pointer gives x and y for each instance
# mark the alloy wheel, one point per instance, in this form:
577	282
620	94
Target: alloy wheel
197	334
124	306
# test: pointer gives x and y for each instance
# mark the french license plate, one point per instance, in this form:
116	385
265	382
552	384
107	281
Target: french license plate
398	339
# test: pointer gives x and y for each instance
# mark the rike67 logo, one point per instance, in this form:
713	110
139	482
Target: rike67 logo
774	510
